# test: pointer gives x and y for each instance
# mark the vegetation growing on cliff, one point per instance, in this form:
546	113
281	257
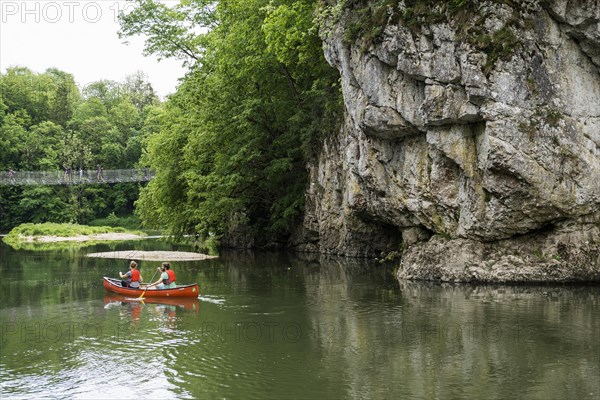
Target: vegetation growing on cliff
232	144
366	20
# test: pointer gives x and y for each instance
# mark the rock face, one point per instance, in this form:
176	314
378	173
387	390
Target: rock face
472	144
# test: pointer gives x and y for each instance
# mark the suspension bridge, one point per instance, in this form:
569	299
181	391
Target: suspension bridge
74	177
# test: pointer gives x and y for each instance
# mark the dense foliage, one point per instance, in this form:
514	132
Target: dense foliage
47	123
231	146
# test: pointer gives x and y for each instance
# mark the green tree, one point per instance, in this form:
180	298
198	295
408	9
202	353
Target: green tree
124	116
43	148
106	91
65	96
170	30
44	203
140	91
24	91
13	134
3	109
248	116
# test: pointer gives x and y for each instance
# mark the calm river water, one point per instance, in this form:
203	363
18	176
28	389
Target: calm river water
281	326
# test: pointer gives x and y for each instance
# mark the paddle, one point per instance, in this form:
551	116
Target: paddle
151	279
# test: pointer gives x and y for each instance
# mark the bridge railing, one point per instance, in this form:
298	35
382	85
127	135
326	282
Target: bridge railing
74	177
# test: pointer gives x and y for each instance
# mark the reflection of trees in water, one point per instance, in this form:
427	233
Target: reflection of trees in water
377	335
346	298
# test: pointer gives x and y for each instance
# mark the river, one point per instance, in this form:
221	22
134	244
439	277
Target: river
279	326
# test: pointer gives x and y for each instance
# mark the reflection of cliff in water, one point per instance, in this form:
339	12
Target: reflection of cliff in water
492	339
265	272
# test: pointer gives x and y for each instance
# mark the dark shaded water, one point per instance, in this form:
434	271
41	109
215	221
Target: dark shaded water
280	326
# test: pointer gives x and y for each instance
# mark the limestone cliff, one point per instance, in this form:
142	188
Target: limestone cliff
471	140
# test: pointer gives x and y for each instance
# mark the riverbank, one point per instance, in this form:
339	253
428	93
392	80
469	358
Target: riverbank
40	234
116	236
60	236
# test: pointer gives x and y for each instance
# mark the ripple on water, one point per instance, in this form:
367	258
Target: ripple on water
212	299
237	369
26	386
103	373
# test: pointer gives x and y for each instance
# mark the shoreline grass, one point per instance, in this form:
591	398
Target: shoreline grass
39	233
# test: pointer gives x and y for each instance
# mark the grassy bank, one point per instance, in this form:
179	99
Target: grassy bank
63	230
50	232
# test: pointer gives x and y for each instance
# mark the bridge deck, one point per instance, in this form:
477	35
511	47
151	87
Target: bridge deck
76	177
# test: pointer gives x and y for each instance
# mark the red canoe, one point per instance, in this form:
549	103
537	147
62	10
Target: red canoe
114	285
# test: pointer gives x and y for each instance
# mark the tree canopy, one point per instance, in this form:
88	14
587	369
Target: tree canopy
47	123
231	146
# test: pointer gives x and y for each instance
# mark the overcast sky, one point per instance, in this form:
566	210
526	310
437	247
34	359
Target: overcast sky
79	37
